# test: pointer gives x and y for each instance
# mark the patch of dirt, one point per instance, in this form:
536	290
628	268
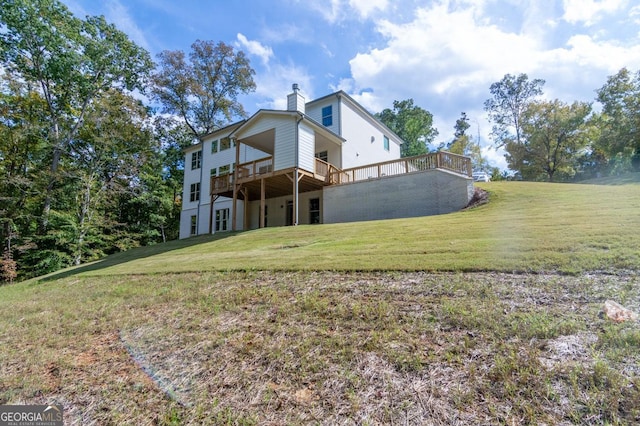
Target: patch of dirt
480	197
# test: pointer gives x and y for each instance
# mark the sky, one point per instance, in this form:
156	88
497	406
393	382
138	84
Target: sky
443	54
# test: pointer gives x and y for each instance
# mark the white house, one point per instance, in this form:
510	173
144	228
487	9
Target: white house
324	161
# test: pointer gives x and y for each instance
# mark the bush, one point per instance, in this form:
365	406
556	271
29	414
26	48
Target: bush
8	269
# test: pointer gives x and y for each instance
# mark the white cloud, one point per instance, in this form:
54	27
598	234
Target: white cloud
589	12
367	7
274	85
120	17
447	56
256	48
338	10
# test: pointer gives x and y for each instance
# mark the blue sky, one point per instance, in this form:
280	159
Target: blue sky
442	53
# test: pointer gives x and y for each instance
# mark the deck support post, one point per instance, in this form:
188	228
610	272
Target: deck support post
295	197
235	184
262	203
245	218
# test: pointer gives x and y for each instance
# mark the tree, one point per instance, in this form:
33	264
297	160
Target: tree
109	154
73	61
462	143
204	90
510	98
552	139
412	124
23	150
620	121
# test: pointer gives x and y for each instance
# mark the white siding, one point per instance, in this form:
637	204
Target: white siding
315	113
306	148
284	126
202	208
365	141
185	222
284	155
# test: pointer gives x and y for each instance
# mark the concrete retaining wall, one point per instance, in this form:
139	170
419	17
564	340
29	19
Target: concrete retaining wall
416	194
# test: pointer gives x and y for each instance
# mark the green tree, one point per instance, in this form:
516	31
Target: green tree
73	61
22	152
174	136
510	98
619	122
109	154
412	124
204	90
553	135
463	144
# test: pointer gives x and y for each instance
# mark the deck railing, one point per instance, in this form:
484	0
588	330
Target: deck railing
259	167
332	175
325	170
255	168
439	160
222	183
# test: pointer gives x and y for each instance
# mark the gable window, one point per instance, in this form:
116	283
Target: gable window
314	210
327	115
214	146
194	222
385	141
222	219
194	194
196	160
225	143
323	155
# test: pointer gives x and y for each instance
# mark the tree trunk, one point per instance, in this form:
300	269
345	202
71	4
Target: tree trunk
55	161
82	222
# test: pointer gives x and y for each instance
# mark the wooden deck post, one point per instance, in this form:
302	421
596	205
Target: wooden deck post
262	202
235	185
295	197
245	221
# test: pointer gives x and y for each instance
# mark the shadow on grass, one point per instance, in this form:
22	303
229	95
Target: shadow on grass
135	254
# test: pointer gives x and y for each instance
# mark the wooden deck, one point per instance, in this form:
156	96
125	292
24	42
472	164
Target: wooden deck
257	176
254	174
438	160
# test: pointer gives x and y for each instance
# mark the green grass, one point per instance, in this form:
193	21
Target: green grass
389	322
526	227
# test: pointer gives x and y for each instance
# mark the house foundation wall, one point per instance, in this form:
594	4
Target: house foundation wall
411	195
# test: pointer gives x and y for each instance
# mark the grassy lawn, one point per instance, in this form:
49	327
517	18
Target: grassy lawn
412	321
526	227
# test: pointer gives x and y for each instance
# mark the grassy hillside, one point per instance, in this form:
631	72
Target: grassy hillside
525	227
365	323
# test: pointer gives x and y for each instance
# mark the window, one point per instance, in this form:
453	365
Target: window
327	116
196	160
214	146
385	141
314	210
194	225
195	192
323	155
225	143
224	170
214	172
222	219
